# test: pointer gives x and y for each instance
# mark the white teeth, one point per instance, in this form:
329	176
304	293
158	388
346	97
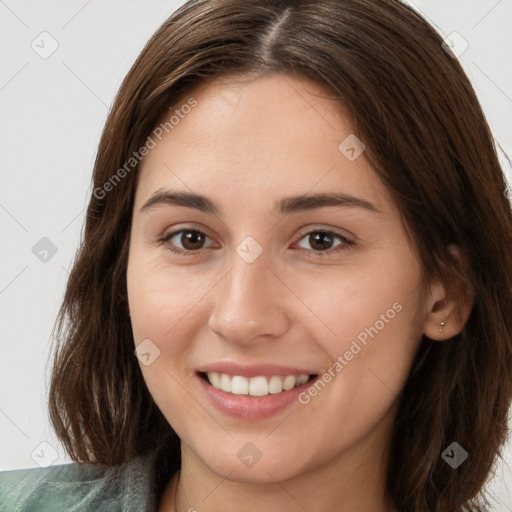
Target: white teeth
215	380
289	382
255	386
275	385
239	385
302	380
225	382
258	386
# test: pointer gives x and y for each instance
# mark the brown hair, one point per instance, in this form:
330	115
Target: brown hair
428	140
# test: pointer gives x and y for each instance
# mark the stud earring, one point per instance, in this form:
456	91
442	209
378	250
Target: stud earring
442	324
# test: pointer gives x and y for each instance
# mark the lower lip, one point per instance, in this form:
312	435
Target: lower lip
251	407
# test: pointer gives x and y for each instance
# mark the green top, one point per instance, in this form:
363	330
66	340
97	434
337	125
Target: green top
78	487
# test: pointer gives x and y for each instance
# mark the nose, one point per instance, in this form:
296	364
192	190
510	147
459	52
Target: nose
249	304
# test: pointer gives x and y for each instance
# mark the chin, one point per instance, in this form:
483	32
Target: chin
254	462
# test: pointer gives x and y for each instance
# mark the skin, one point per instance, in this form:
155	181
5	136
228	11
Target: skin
246	145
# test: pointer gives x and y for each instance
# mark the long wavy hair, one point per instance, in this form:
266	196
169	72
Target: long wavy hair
428	141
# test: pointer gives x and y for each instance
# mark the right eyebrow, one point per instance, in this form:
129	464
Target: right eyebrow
187	199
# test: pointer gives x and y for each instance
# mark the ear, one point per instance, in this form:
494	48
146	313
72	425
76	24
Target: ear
449	301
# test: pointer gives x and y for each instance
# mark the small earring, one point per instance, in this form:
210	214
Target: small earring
442	324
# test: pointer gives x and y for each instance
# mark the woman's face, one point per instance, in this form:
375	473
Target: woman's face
291	261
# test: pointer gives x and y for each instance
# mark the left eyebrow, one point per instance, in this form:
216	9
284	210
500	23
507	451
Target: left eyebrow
312	201
284	206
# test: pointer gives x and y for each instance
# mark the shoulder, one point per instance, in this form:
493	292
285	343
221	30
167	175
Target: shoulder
69	487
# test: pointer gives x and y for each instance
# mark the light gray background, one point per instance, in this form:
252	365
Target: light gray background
53	110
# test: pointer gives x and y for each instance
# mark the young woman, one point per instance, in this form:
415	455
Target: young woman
294	290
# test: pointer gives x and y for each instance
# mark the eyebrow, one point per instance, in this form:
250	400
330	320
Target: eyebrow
283	206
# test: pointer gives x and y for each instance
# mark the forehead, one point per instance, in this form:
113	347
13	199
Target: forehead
262	136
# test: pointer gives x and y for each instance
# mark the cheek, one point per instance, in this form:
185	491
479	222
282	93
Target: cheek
160	300
378	301
369	319
374	334
162	305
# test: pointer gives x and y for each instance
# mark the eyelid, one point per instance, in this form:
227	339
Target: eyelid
346	242
167	238
343	233
166	233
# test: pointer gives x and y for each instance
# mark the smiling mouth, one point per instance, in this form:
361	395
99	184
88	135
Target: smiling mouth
257	386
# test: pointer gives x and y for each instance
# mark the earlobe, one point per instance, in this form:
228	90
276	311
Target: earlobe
437	313
449	304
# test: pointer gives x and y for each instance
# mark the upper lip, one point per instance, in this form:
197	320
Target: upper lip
252	370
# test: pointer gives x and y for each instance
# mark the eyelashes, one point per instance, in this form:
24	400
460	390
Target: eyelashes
316	237
330	236
196	235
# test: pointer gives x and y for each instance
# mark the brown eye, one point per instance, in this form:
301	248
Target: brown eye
191	240
185	240
322	241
